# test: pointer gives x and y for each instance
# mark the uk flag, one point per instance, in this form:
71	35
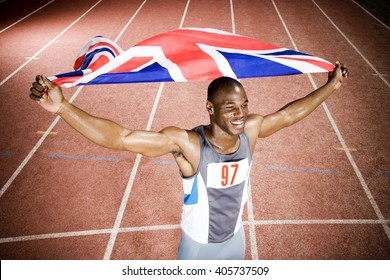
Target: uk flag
185	55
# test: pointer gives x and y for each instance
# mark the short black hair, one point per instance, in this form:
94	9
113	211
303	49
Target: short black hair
218	84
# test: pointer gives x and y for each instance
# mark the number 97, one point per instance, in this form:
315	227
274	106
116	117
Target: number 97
228	172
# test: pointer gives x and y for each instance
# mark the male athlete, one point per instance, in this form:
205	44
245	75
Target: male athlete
214	160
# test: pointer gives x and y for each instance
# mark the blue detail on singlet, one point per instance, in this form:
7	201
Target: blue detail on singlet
192	198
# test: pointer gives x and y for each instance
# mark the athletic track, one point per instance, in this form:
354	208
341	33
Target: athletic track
320	189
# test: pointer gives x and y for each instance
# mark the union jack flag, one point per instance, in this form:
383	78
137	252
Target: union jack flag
184	55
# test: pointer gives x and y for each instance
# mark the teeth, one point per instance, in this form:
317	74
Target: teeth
238	122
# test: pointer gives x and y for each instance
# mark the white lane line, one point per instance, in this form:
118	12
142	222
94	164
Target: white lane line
150	228
35	148
47	45
130	21
320	222
8	27
356	169
184	14
353	46
251	216
252	228
54	235
342	142
53	124
232	16
371	15
126	196
177	226
122	208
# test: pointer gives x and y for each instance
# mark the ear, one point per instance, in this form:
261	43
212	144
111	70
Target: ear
210	107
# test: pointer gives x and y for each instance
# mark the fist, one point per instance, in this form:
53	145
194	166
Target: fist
47	94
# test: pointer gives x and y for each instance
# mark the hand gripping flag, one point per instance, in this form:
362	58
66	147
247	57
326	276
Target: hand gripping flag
185	55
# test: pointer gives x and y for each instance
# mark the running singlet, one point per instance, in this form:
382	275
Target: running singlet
215	196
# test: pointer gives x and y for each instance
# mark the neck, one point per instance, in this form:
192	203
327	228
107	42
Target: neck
221	141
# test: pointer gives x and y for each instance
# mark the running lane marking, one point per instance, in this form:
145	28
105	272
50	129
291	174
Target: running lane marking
371	15
54	235
232	16
353	46
177	226
129	186
47	45
320	222
129	22
251	216
84	233
301	170
5	154
8	27
74	157
341	139
53	124
35	148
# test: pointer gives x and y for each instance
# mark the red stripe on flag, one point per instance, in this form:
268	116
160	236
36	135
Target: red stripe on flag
65	80
102	60
79	60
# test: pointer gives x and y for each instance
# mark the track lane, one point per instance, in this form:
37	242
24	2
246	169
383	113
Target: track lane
143	98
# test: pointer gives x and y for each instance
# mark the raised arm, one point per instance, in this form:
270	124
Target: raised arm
103	132
301	108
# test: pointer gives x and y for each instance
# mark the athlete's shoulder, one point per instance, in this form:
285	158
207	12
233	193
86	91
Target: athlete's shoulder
253	123
184	138
252	128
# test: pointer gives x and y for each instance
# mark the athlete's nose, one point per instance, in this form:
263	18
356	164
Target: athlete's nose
239	112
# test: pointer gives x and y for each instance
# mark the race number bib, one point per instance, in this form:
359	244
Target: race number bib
226	174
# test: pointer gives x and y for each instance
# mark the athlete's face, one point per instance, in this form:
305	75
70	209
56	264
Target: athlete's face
230	110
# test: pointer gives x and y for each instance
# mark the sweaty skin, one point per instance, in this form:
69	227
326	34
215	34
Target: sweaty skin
229	117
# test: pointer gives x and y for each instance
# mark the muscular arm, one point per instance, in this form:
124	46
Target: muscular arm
103	132
111	135
301	108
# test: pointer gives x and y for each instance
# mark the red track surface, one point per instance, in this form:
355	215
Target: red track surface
310	198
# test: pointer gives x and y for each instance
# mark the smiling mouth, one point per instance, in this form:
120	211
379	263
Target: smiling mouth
238	123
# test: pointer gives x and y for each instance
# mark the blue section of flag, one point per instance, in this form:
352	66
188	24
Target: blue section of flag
152	73
249	66
71	74
89	57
